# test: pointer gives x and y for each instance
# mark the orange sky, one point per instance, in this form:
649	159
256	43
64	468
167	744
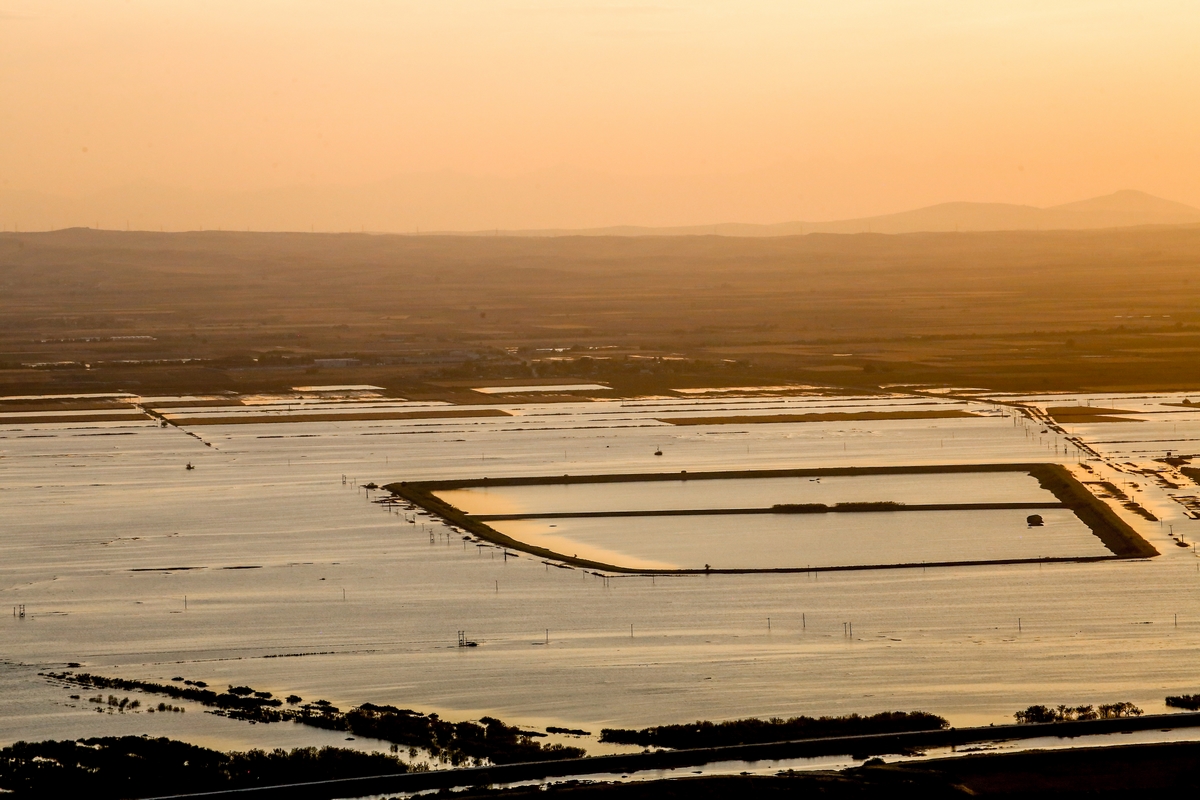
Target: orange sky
733	111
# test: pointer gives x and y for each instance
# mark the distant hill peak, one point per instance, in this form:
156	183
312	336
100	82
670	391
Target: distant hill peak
1126	208
1128	201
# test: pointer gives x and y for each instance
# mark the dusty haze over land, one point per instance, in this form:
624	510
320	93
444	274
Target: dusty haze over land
473	115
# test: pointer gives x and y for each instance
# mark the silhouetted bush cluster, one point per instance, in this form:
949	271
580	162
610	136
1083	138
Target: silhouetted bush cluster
1036	714
1189	701
137	766
452	742
240	699
755	731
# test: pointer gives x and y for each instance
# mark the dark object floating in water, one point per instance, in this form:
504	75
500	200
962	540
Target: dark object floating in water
371	485
569	731
189	466
658	452
162	569
1034	520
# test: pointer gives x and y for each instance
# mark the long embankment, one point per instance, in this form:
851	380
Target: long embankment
1121	539
859	746
807	508
1116	534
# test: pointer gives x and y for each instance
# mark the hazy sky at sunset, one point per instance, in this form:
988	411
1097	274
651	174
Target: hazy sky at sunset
786	109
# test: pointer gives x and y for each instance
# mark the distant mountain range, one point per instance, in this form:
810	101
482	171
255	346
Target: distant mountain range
462	204
1120	209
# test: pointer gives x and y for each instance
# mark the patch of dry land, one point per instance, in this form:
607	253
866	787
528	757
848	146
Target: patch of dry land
836	416
355	416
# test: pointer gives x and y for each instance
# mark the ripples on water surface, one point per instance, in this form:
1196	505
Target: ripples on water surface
98	521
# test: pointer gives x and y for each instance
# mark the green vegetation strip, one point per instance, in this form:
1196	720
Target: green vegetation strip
452	742
782	508
1121	539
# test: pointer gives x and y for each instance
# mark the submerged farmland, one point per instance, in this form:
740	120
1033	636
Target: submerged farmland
269	564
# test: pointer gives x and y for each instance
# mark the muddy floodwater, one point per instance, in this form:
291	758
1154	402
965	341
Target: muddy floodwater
799	541
296	582
963	487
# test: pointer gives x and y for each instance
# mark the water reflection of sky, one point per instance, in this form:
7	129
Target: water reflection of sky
84	505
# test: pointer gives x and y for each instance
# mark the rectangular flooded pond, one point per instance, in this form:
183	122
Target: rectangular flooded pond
798	541
559	498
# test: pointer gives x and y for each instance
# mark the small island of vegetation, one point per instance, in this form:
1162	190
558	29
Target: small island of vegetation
1042	714
457	743
756	731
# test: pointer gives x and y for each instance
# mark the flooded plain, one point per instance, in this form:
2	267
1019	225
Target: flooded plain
296	582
